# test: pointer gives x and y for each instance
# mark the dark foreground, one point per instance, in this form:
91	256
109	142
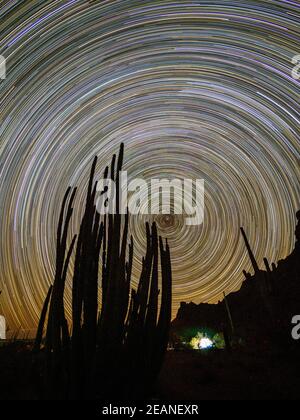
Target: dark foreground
217	375
186	375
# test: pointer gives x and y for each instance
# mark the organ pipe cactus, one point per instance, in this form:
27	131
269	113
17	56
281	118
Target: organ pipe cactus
117	350
40	329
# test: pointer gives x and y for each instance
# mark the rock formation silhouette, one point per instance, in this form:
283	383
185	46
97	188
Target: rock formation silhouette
261	311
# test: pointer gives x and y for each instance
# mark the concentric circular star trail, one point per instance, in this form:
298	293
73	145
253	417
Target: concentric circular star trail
194	89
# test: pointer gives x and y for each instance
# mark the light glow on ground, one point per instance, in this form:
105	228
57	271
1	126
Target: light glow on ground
205	343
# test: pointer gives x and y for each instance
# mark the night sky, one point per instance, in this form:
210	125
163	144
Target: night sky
195	89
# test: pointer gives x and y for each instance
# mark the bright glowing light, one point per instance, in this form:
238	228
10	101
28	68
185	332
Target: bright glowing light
201	341
205	343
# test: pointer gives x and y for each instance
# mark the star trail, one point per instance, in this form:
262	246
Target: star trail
194	89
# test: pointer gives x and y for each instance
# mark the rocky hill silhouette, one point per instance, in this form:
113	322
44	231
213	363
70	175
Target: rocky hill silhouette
260	313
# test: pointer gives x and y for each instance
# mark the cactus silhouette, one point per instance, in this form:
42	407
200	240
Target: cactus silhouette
116	351
250	253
